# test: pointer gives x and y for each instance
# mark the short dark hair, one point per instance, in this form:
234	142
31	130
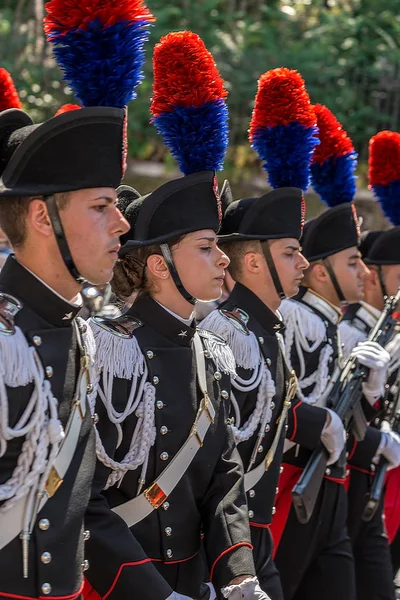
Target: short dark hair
236	252
13	213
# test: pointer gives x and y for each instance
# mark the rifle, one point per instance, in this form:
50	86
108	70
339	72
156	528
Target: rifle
375	494
345	400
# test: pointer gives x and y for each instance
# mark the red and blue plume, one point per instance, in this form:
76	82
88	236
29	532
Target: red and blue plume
334	161
188	106
8	94
99	46
67	108
283	128
384	172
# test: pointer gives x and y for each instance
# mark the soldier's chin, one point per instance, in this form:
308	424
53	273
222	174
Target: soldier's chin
210	296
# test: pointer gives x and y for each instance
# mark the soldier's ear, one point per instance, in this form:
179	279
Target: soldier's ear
38	217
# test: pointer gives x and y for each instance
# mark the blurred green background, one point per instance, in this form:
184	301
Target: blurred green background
348	52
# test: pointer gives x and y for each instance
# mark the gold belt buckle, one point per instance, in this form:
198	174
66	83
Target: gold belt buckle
53	482
155	495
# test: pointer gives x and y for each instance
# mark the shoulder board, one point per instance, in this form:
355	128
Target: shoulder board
218	350
301	321
123	326
117	349
212	337
238	318
9	307
232	327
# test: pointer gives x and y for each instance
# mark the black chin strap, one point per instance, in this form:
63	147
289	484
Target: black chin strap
272	270
382	281
334	280
166	252
92	297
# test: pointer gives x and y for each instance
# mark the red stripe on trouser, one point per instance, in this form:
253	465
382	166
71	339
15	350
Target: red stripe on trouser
283	502
391	505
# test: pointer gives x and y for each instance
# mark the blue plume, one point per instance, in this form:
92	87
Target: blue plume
103	65
388	197
334	180
287	151
196	137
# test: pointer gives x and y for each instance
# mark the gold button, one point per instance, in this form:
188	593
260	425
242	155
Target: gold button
251	514
163	430
252	493
165	505
170	553
37	340
46	589
168	531
261	339
156	380
159	404
49	371
164	456
150	354
86	535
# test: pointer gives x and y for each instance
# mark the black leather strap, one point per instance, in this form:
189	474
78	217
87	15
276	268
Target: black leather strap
382	281
334	280
272	270
60	237
166	252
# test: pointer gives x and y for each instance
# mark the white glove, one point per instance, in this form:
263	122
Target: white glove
176	596
333	436
390	449
393	347
249	589
376	358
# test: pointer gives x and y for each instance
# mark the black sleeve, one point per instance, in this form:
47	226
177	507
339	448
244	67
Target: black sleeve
119	568
360	454
225	516
305	424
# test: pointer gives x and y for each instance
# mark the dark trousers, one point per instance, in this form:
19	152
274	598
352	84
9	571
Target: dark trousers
315	560
267	573
373	565
186	577
395	553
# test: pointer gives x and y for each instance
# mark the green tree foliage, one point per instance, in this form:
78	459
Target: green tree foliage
347	51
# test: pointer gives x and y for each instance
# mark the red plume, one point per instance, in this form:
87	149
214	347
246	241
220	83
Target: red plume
175	84
66	108
8	94
384	158
334	141
281	99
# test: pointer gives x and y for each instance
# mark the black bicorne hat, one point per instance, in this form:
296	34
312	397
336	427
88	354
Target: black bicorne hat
385	249
275	215
76	150
333	231
367	240
176	208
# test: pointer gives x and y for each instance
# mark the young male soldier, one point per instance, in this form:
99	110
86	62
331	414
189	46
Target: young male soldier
260	236
315	559
57	207
374	576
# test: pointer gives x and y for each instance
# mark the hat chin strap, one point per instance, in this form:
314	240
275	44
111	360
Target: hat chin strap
166	252
93	298
334	280
272	269
382	281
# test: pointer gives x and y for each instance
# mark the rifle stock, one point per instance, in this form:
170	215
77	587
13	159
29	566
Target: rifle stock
305	492
374	497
